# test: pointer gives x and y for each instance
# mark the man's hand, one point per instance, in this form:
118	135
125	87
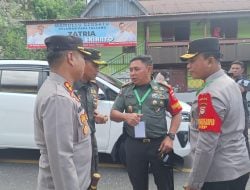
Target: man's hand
100	118
186	187
133	118
241	89
166	145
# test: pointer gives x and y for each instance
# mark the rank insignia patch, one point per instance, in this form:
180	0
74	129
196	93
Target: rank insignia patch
84	119
68	87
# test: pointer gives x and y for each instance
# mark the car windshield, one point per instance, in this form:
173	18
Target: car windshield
117	83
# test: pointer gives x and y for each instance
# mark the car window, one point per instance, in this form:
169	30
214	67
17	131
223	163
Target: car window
111	94
109	86
16	81
106	93
117	83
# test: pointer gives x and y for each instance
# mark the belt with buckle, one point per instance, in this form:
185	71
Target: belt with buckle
146	140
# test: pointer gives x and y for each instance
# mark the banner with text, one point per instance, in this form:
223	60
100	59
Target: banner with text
93	34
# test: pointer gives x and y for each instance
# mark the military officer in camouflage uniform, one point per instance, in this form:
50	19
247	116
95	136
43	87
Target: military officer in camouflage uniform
60	123
236	72
87	90
145	102
218	148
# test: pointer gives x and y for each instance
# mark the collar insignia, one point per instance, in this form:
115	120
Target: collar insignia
68	87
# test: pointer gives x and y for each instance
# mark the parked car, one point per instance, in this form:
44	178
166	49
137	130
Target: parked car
20	81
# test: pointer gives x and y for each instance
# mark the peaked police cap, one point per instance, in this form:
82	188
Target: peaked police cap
209	45
61	43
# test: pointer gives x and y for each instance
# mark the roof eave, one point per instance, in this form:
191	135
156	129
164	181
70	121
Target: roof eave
89	7
153	18
139	5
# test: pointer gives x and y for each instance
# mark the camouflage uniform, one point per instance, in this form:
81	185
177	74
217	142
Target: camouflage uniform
88	93
142	151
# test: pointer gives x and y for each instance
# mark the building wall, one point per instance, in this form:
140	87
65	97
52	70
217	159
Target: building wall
113	8
199	29
244	28
154	31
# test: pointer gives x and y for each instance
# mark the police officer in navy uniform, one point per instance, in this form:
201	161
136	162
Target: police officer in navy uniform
145	102
218	148
60	123
87	90
236	72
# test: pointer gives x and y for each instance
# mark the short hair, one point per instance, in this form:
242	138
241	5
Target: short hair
237	62
217	56
59	45
53	57
146	59
121	23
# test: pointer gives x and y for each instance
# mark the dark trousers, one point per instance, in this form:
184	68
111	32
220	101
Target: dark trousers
245	132
95	158
236	184
139	155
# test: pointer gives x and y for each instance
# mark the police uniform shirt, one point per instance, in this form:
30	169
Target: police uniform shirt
88	93
65	147
153	108
218	146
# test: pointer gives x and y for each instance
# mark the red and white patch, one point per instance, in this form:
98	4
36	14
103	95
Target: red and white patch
208	120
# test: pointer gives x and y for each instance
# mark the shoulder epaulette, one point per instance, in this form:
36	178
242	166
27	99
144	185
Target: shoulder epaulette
68	87
164	84
127	84
93	81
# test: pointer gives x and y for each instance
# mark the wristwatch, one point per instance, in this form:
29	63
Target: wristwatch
171	136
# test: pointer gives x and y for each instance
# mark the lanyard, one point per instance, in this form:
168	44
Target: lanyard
203	86
141	100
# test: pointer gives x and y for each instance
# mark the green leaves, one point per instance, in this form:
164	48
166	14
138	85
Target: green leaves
13	32
14	44
57	9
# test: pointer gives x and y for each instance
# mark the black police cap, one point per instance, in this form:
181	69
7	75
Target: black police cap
61	43
95	56
203	45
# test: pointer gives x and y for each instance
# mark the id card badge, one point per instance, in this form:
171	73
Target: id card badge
140	131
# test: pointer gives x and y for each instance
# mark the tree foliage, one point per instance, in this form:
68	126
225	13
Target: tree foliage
57	9
13	32
15	45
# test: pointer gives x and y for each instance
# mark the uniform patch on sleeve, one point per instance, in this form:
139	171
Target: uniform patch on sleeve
174	106
209	120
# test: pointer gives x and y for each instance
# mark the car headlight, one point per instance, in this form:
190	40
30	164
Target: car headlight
183	138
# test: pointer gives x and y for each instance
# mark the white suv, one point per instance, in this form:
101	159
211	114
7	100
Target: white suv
20	81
